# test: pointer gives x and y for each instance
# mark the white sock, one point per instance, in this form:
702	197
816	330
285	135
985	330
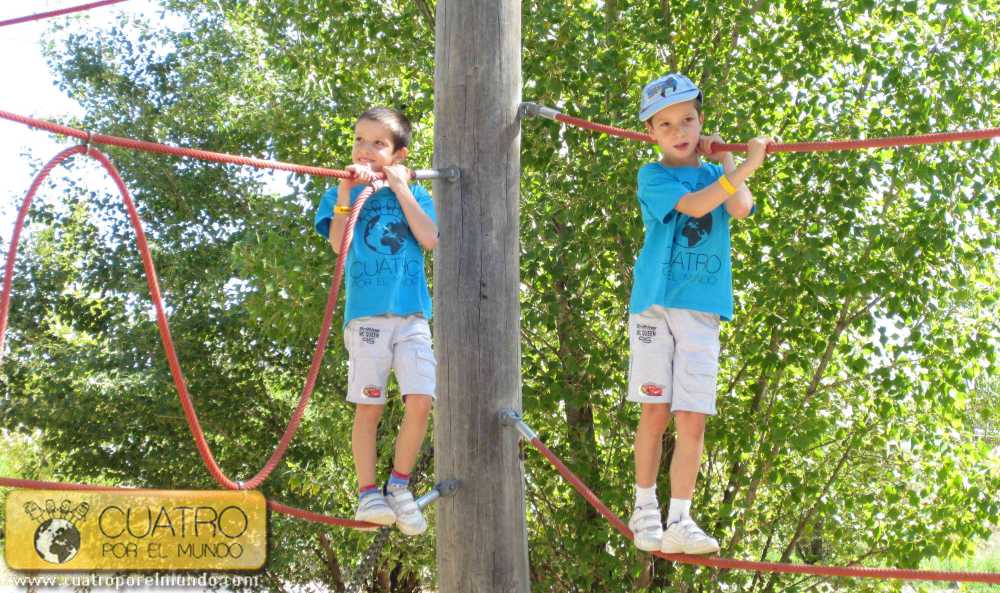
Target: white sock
679	509
645	496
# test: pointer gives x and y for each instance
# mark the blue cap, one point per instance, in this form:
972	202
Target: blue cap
665	91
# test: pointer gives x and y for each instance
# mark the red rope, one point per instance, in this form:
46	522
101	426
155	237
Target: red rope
715	562
40	485
161	318
284	509
604	128
826	146
271	504
204	155
45	15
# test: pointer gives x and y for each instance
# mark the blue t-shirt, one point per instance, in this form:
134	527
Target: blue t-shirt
385	264
684	262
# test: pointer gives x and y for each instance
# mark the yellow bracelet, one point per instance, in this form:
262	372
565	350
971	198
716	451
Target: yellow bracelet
727	186
342	209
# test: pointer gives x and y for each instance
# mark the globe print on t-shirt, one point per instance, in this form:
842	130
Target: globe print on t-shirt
694	232
385	233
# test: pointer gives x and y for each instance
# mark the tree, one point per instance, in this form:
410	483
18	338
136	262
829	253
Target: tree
983	410
865	282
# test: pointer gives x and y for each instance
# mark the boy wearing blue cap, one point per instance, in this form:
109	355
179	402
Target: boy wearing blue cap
387	308
682	289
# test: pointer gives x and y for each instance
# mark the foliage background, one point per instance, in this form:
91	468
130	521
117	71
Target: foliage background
866	282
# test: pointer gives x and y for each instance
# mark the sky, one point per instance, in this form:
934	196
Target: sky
28	89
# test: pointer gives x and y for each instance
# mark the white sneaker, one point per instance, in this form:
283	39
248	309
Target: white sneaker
645	525
685	537
373	509
409	519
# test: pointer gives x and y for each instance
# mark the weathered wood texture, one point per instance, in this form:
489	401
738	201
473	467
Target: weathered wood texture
482	541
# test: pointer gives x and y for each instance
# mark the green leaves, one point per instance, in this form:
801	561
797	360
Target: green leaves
858	257
866	282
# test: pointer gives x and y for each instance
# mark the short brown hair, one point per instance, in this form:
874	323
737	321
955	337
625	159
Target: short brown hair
393	119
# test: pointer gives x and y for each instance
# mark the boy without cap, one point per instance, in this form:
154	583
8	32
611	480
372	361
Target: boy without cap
682	289
387	309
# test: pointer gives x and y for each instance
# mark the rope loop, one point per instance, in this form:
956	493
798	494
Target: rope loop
187	404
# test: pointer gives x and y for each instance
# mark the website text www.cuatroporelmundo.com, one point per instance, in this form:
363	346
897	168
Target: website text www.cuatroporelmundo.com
130	581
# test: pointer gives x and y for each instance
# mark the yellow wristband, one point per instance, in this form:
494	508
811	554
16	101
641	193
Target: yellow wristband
342	209
727	186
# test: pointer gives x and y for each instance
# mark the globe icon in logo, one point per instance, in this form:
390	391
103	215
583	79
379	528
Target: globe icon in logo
386	234
694	232
57	541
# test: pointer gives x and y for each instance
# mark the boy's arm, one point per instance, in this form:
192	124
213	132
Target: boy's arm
362	174
740	204
339	221
421	225
699	203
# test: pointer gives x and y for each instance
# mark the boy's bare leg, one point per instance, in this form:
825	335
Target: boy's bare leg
417	410
653	421
682	535
363	441
646	521
690	428
411	432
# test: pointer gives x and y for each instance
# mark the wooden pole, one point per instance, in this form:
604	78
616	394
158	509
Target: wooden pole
481	535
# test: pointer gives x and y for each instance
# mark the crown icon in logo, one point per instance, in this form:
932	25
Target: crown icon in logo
57	539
